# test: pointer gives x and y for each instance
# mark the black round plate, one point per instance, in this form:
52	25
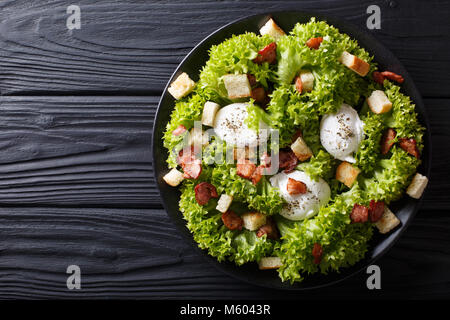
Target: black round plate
405	209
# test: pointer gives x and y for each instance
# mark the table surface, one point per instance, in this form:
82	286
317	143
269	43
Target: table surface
76	177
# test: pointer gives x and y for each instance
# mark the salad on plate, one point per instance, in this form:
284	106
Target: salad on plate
289	149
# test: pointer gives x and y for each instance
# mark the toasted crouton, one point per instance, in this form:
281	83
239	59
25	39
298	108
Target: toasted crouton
268	263
347	174
387	222
209	113
224	202
182	86
417	186
198	137
307	79
237	86
272	29
253	220
354	63
301	150
173	177
247	152
379	102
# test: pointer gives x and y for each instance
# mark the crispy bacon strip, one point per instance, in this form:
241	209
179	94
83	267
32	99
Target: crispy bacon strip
260	96
297	134
257	174
245	168
205	191
392	76
179	130
314	43
376	210
251	79
317	252
270	228
296	187
287	160
267	54
232	221
410	146
298	85
387	140
192	166
380	76
359	214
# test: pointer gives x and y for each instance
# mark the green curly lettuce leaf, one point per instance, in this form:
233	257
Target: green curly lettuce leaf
234	56
322	165
343	244
392	176
209	232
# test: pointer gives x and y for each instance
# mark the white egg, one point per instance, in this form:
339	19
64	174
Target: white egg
301	206
341	133
230	126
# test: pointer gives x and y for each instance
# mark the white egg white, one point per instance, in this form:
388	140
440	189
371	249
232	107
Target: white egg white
230	126
341	133
301	206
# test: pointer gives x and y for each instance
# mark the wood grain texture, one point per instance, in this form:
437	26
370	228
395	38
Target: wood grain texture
77	151
126	253
130	47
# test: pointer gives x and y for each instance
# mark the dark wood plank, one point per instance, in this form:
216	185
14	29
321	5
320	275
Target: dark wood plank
96	151
77	151
139	254
133	48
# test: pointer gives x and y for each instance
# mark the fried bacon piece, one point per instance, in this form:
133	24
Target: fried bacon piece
179	130
232	221
260	96
270	228
251	79
245	168
376	210
267	54
295	187
317	252
299	85
380	76
192	166
359	214
410	146
387	140
314	43
205	191
258	174
287	160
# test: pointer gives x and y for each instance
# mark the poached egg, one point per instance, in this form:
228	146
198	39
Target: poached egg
341	133
301	206
230	126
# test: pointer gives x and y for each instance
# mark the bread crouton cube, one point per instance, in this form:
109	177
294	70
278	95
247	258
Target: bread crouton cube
268	263
301	149
182	86
224	203
387	222
417	186
247	152
209	113
237	86
173	177
378	102
354	63
197	137
272	29
307	79
347	174
253	220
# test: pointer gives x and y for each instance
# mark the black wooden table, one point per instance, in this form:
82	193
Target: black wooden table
76	181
